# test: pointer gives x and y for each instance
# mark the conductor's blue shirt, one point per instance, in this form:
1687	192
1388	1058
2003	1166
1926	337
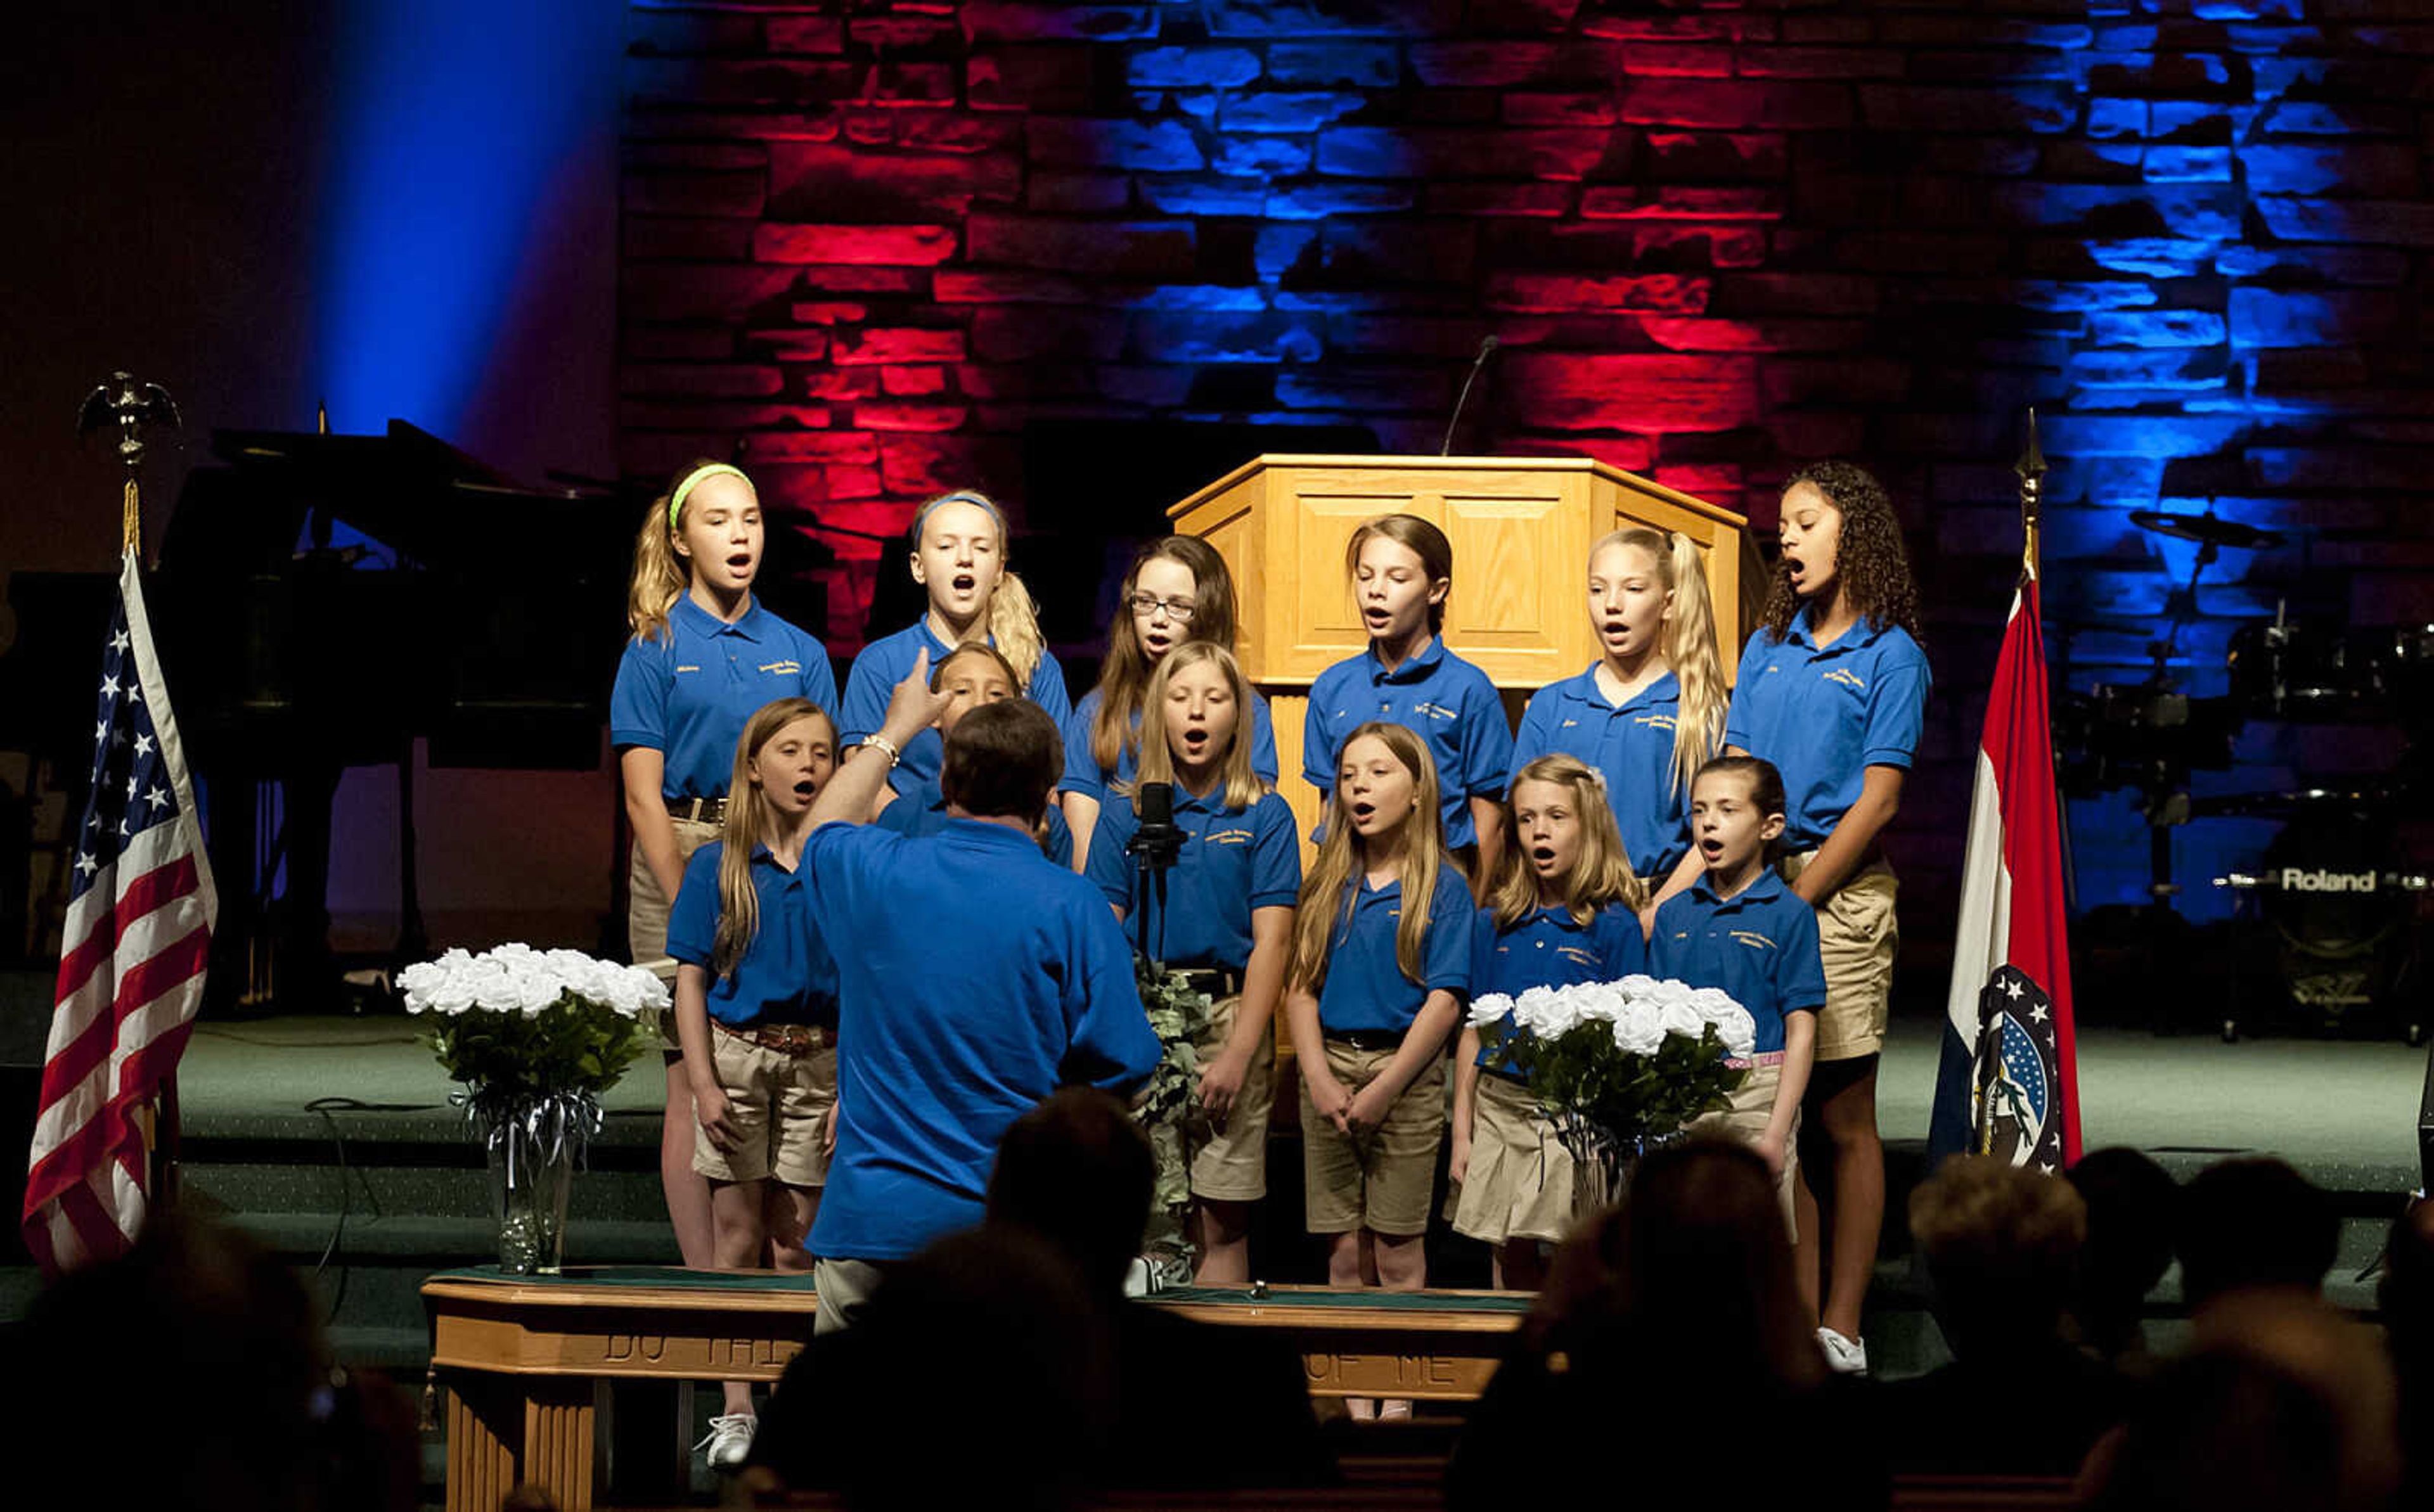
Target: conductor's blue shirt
1365	988
687	694
922	810
1548	949
1083	773
1233	861
981	978
1760	944
1632	746
882	664
1823	715
787	975
1445	699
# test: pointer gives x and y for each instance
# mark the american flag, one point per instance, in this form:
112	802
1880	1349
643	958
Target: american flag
140	908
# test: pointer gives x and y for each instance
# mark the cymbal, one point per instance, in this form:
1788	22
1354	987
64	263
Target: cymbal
2207	530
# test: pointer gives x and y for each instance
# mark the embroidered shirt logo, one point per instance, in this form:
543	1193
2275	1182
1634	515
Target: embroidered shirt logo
782	669
1228	837
1435	711
1574	953
688	667
1847	679
1752	939
1654	722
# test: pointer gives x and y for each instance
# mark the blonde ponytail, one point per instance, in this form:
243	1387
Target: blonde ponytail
1690	651
1014	624
660	576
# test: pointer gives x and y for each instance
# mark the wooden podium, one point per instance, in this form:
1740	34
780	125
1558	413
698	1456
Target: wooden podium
1522	529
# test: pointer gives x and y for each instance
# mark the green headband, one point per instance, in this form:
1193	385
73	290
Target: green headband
708	469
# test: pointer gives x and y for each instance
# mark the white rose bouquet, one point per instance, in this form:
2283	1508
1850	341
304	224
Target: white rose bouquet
1615	1065
517	1024
535	1036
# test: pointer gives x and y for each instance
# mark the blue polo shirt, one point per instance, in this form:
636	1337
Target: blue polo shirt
1365	988
1760	944
1823	715
982	978
787	975
687	693
922	810
1233	861
1448	700
1083	773
1548	949
882	664
1631	744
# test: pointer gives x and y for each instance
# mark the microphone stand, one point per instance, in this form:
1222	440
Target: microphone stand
1155	847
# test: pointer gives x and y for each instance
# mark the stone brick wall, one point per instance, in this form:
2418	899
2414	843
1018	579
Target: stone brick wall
879	239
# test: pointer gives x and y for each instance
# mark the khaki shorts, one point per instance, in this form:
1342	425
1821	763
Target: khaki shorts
1232	1164
779	1105
1520	1185
1753	1108
1380	1182
1857	936
842	1288
646	915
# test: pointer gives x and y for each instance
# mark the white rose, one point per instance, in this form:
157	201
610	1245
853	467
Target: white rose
1599	1002
494	988
1712	1003
1531	1008
1560	1014
1639	984
535	991
1668	992
1738	1031
1681	1018
1489	1009
1637	1030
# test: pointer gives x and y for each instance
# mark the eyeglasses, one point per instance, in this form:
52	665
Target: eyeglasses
1178	610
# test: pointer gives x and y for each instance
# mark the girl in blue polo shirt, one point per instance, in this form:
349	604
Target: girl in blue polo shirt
1401	569
972	675
1380	970
1650	708
959	552
1833	691
1566	912
756	1010
1176	591
1223	915
704	654
1739	929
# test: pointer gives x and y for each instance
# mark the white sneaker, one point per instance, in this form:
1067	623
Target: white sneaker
730	1440
1843	1356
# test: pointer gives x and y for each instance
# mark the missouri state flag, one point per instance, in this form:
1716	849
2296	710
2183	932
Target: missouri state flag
2008	1084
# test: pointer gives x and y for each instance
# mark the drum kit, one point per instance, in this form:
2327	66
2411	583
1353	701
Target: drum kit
2337	899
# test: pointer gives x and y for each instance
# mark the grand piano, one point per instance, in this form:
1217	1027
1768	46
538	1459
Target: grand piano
323	602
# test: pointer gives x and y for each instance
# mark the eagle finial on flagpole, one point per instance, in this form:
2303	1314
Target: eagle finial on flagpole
2031	469
130	407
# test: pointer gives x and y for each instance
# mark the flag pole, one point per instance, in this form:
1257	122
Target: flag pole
2031	470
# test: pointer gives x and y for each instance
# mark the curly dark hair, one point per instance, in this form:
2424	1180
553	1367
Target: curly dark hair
1870	564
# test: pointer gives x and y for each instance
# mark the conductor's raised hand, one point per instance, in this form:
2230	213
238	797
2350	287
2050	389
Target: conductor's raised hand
912	707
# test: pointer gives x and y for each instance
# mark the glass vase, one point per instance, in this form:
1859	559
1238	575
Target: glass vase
532	1174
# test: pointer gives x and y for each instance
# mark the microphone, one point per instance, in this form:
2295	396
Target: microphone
1486	345
1157	840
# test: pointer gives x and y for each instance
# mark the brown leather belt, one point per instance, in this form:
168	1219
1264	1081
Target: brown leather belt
1211	979
786	1038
